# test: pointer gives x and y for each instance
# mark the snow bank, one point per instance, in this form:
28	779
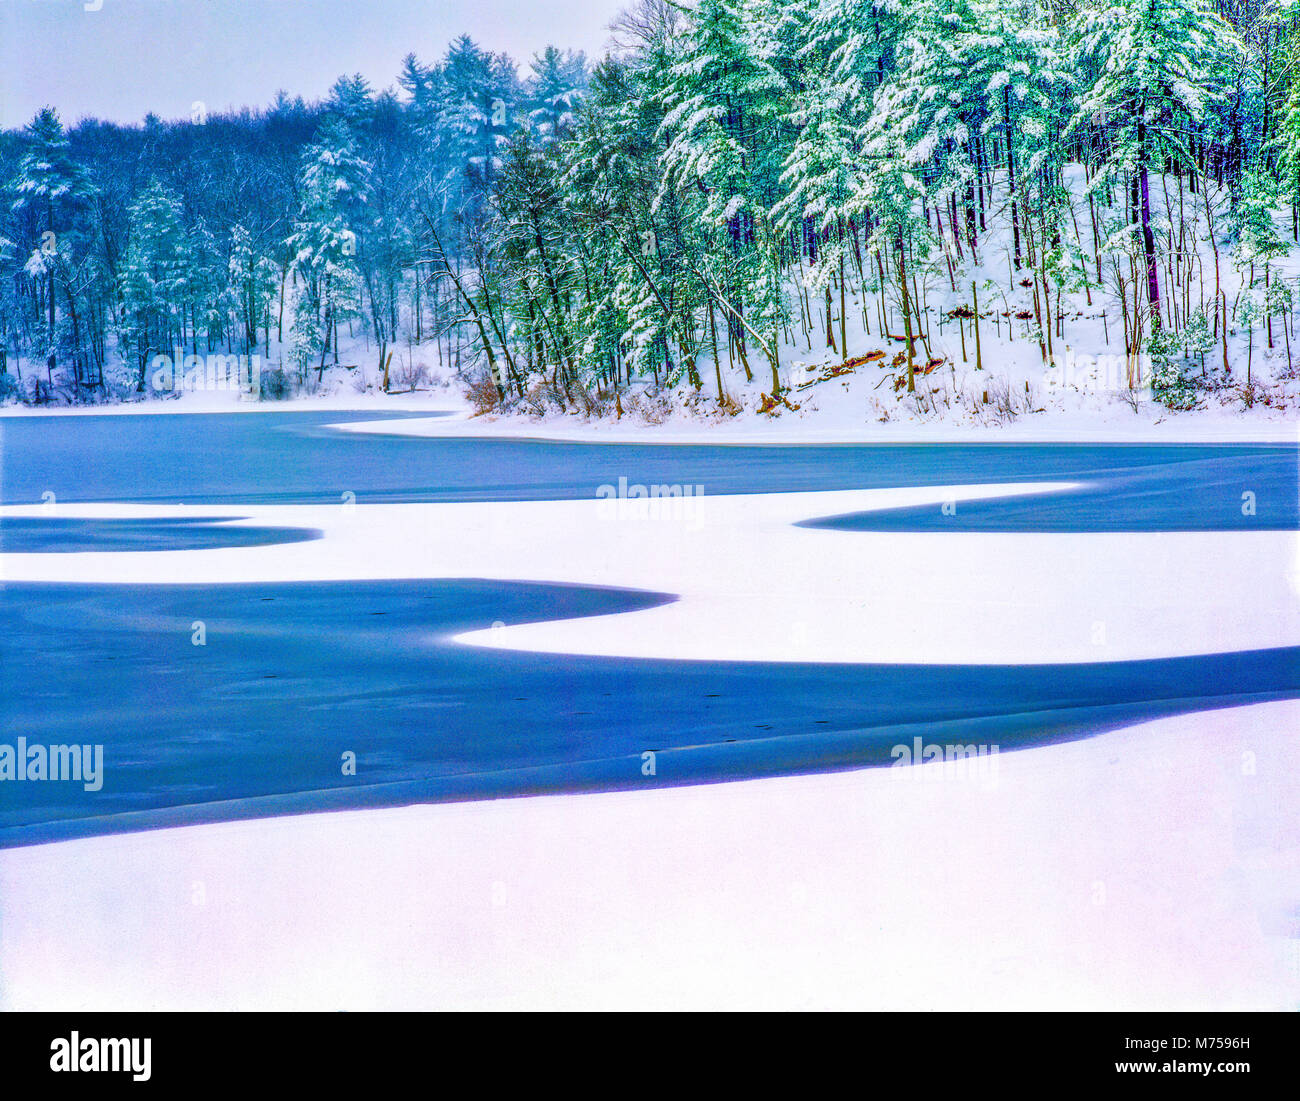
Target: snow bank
433	401
1156	867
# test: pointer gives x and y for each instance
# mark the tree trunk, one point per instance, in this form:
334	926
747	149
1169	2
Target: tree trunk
1148	238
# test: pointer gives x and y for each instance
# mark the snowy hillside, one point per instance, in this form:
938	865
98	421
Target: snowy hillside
974	212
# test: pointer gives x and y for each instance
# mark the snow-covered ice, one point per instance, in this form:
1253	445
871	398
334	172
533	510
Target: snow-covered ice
1156	867
755	587
1152	867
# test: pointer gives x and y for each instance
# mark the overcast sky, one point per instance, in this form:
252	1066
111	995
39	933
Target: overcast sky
135	56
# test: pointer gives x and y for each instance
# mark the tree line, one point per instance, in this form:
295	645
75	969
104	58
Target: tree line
733	178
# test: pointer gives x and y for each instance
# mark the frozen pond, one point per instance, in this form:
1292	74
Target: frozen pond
293	677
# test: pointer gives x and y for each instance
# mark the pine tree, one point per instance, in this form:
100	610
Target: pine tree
251	287
1150	69
722	124
154	278
554	90
49	185
334	187
479	99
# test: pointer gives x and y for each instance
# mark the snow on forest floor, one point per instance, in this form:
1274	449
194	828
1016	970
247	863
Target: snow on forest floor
1098	425
842	364
436	399
831	418
849	409
1156	867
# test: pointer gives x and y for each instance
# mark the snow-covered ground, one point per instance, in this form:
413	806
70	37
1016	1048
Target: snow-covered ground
1153	867
446	399
1156	867
1096	419
838	426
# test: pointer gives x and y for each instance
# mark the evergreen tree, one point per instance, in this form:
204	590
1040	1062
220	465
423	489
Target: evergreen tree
49	186
251	287
334	188
154	278
554	90
1150	69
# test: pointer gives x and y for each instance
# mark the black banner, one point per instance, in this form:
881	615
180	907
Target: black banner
164	1051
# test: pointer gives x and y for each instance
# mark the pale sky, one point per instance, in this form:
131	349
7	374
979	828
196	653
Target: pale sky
130	57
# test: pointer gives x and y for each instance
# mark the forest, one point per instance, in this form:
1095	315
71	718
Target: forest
734	183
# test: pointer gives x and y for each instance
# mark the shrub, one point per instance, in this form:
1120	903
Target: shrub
275	385
481	393
1173	383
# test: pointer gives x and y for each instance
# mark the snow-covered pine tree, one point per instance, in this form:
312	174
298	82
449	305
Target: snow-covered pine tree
817	44
48	188
1148	71
252	285
553	90
154	278
723	128
333	188
480	97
